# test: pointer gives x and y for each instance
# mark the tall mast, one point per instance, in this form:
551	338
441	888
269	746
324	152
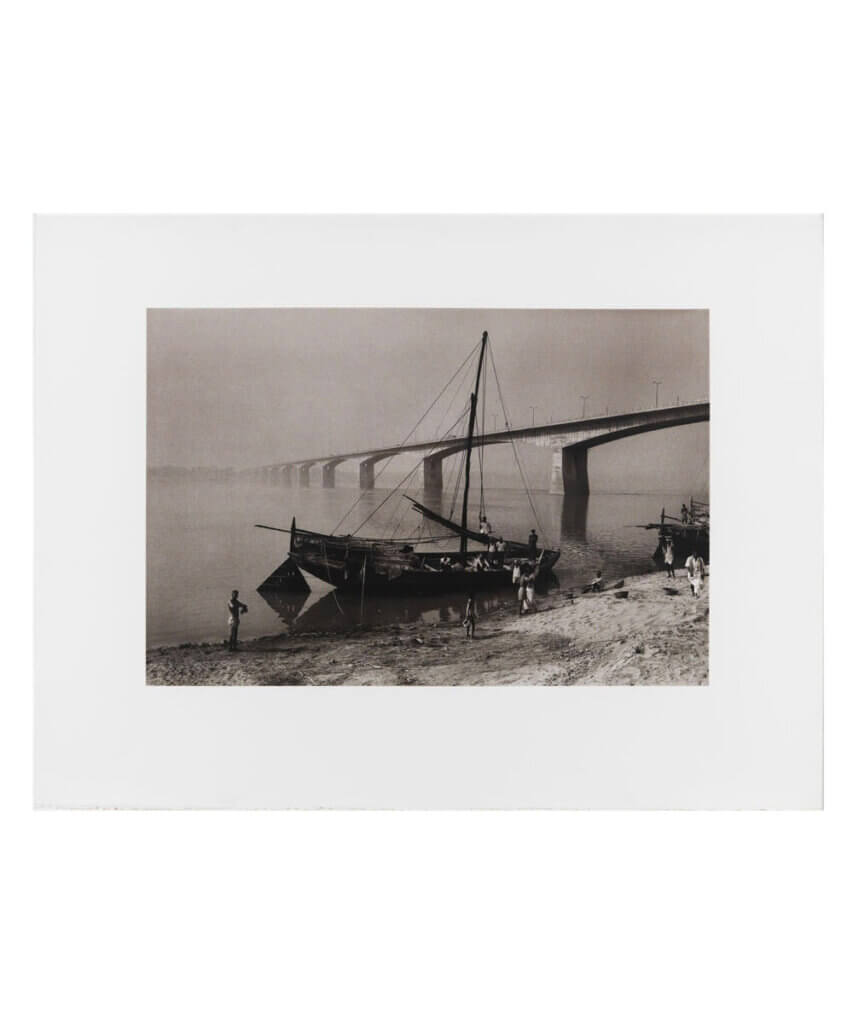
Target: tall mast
472	419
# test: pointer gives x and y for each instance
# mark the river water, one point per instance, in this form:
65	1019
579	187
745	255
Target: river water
202	544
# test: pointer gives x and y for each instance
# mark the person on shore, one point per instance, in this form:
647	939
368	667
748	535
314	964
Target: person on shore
695	567
529	592
235	608
522	593
596	584
470	620
669	558
532	541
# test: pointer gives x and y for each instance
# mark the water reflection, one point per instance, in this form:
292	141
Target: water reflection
335	610
286	606
573	517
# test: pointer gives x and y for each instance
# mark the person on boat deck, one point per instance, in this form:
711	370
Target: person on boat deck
695	567
669	558
235	607
685	514
532	541
470	620
445	563
596	583
516	571
484	526
500	548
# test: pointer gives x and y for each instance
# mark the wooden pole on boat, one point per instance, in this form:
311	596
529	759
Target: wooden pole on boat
472	419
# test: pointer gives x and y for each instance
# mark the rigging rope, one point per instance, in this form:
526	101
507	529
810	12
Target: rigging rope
460	467
411	432
514	452
411	472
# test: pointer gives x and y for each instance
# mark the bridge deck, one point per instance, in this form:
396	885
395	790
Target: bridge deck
586	431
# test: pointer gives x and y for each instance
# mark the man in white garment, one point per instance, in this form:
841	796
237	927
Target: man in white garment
695	573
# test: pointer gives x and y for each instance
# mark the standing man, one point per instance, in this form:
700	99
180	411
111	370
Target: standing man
695	566
532	541
235	607
470	620
669	558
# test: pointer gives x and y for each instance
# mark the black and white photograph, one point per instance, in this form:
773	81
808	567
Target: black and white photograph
428	497
374	350
340	492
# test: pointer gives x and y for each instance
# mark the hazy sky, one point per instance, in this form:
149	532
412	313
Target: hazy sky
249	387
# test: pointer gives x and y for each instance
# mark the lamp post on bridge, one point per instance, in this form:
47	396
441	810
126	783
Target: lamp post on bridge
657	384
532	409
583	399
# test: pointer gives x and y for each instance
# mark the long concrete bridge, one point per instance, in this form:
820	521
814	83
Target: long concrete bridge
569	442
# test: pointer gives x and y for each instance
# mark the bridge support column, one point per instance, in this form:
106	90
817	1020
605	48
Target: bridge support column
329	474
305	475
433	481
569	474
287	476
366	475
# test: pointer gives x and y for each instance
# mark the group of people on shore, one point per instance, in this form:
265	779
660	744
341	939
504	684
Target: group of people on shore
524	578
695	566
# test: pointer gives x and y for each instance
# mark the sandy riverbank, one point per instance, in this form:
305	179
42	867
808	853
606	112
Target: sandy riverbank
650	637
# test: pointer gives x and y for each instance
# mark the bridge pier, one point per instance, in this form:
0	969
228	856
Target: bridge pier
433	479
287	476
366	476
305	474
569	472
329	474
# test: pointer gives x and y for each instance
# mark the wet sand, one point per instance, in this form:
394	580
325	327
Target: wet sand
650	637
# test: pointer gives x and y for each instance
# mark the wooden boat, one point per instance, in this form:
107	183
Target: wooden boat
378	565
688	532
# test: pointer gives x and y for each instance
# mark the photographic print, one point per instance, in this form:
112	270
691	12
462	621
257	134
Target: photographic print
428	497
415	512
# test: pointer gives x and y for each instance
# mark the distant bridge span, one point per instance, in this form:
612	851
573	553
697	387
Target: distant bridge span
569	442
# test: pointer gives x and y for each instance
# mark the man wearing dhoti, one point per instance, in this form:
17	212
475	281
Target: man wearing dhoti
695	567
235	607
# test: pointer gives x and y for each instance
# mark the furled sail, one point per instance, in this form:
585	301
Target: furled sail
448	524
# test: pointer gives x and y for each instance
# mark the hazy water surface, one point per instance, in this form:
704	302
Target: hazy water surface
202	544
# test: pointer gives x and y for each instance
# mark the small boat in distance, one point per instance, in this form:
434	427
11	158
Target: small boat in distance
385	565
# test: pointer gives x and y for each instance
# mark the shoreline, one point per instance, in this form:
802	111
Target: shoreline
648	637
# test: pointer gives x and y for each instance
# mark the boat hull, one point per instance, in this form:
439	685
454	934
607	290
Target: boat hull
382	567
685	540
